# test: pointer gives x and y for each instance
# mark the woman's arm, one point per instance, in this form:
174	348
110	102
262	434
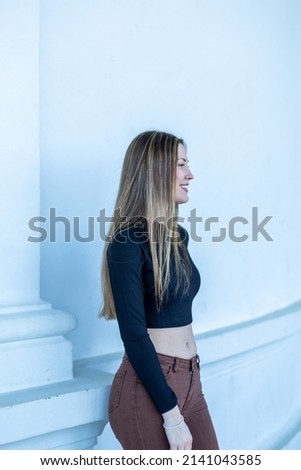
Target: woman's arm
125	263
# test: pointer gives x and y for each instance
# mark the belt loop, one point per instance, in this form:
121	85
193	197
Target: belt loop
194	362
176	364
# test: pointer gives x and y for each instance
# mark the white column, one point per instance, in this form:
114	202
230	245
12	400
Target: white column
50	407
32	349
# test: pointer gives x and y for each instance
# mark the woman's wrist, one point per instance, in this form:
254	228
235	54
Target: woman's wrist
174	426
172	417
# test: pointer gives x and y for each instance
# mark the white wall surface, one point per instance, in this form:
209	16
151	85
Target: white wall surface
223	75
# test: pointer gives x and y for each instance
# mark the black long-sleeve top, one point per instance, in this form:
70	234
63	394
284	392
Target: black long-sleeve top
132	283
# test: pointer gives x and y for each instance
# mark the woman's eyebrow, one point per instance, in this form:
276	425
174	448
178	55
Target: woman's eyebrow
182	158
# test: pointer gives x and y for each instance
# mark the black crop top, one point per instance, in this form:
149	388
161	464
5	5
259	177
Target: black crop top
132	282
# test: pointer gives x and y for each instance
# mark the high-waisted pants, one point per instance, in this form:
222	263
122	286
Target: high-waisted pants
135	420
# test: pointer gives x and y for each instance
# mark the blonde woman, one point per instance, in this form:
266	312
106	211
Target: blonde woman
149	281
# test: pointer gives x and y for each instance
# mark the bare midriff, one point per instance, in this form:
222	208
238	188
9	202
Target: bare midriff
177	342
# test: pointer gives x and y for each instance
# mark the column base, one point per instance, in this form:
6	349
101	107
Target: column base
33	351
68	415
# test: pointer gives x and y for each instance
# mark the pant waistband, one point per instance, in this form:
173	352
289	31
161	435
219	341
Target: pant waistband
176	362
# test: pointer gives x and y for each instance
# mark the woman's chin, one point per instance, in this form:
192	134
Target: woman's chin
182	200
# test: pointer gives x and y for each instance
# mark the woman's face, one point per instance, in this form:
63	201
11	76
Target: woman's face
183	176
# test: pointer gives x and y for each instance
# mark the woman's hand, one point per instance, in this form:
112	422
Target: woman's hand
177	431
180	437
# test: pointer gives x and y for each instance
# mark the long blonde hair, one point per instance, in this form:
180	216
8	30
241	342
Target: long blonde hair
146	189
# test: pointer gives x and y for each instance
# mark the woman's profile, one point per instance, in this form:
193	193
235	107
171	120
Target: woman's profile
149	281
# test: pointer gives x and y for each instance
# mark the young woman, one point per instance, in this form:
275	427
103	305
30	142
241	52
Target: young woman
149	281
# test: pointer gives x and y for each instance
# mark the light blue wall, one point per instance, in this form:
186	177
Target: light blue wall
222	74
225	76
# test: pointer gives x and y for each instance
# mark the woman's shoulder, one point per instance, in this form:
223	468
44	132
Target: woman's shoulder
184	235
136	236
132	234
127	243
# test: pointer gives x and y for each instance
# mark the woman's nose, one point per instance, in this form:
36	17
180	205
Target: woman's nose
189	175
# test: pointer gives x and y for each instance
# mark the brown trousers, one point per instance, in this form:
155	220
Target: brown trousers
136	422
